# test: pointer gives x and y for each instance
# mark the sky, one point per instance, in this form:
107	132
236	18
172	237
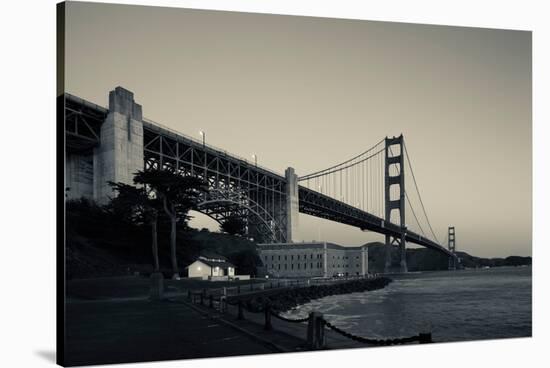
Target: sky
311	92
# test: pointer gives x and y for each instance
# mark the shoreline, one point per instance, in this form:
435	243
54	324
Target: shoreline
291	298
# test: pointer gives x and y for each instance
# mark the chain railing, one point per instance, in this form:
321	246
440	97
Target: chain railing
421	337
316	321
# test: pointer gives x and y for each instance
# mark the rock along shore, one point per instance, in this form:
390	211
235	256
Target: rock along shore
290	298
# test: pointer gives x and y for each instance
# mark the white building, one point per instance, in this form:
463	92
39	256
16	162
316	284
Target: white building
211	267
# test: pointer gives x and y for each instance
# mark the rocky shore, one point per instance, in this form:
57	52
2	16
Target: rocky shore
290	298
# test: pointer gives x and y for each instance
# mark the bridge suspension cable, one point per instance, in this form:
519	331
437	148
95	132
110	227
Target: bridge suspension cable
342	165
358	181
418	192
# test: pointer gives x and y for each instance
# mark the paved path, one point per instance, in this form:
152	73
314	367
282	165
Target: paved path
103	332
298	330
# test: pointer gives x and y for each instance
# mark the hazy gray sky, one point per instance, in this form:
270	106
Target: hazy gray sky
311	92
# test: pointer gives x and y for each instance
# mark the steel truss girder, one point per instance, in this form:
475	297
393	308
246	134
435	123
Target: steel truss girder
254	194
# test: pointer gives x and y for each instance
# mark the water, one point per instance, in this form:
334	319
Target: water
457	306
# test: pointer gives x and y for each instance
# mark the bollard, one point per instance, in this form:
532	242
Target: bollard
320	327
310	331
189	296
267	312
211	301
157	286
238	289
315	331
223	305
224	291
240	314
425	338
425	335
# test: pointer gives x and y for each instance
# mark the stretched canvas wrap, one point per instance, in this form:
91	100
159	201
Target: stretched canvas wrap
239	183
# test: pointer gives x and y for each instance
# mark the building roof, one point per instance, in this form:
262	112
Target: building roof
307	245
223	265
212	256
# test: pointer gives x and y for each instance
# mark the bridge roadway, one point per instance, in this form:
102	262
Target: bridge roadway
83	123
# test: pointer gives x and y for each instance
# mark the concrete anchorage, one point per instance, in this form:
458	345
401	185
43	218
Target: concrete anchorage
120	152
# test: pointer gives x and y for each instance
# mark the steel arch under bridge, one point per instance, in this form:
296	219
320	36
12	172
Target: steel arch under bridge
221	204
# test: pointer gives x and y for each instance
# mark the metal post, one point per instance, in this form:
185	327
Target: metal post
267	312
240	314
223	304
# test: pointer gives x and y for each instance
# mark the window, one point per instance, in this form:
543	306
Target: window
292	257
272	265
311	256
356	265
298	266
311	265
292	266
279	266
285	257
265	258
285	266
279	258
272	258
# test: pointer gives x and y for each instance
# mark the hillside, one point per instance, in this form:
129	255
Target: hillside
423	259
100	244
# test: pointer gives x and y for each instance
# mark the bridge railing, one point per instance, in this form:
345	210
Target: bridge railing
153	124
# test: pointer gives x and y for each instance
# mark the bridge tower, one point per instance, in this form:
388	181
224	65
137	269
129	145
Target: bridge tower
292	205
452	247
120	151
395	156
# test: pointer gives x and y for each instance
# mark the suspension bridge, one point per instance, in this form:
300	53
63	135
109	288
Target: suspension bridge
367	191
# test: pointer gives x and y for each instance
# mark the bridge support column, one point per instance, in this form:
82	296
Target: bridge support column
403	253
120	152
387	263
452	247
394	175
292	205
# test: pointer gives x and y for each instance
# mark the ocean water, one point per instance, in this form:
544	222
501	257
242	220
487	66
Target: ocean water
456	306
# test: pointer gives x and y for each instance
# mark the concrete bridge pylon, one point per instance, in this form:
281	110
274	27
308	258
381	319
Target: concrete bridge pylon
120	152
